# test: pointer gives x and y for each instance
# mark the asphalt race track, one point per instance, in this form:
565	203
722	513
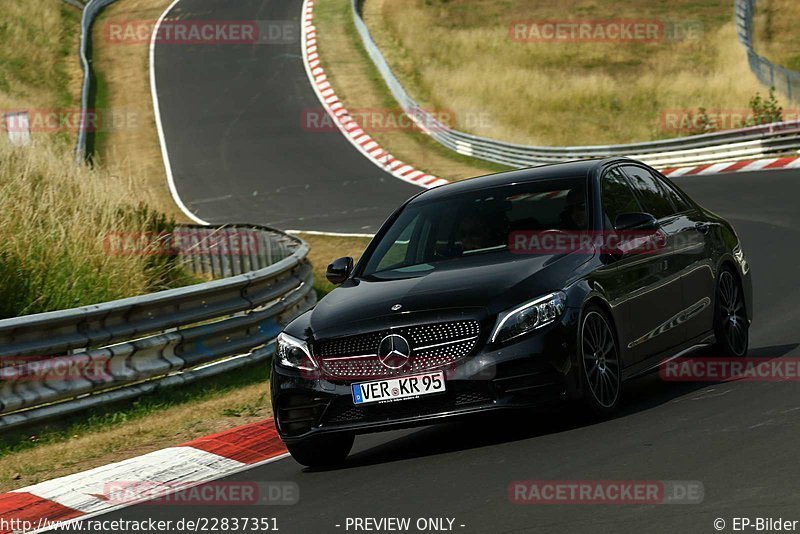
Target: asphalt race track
233	122
737	438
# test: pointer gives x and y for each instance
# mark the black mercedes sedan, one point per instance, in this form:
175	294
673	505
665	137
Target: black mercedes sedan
517	289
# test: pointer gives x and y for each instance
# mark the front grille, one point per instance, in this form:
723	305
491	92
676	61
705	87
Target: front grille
344	411
432	346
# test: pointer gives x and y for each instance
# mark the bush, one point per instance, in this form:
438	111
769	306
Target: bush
765	111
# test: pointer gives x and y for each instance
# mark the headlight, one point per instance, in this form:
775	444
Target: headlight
530	316
294	353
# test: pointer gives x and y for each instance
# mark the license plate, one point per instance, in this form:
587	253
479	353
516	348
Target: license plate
402	387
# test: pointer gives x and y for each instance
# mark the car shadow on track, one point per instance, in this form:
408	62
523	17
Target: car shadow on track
641	394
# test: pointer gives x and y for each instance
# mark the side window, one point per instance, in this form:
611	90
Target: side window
617	197
678	201
654	199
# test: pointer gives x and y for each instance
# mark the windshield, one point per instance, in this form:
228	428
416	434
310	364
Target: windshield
476	223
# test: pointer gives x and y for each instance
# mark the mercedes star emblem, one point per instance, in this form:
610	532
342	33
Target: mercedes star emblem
394	351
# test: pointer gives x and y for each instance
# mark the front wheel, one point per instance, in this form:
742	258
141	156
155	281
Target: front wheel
322	451
599	360
730	320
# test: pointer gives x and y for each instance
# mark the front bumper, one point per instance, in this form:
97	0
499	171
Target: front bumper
537	369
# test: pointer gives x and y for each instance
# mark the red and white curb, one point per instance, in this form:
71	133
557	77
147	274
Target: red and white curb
791	162
201	460
341	117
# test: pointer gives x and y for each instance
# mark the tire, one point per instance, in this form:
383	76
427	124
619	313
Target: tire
600	366
731	327
322	451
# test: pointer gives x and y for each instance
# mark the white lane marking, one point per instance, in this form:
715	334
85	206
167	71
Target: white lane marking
332	234
173	467
111	508
160	127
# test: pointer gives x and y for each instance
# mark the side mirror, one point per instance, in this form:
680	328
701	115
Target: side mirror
339	270
635	221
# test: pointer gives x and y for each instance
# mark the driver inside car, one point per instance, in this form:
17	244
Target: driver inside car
573	216
481	229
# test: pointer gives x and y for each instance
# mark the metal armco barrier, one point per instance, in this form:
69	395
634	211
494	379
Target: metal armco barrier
75	3
784	80
60	362
730	145
228	251
93	7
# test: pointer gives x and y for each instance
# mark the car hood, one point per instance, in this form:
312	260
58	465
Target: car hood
473	288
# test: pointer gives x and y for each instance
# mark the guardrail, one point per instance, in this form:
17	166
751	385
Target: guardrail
60	362
228	251
784	80
730	145
90	11
75	3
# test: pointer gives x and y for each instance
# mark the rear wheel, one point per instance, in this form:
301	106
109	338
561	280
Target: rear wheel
730	319
322	451
600	363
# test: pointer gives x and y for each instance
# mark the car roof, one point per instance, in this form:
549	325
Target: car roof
568	169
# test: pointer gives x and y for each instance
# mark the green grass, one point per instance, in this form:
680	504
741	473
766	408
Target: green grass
34	50
99	138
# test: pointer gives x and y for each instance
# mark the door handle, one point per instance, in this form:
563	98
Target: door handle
701	227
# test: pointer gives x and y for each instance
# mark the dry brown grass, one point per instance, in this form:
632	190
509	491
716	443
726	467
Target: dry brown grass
132	149
457	55
57	220
39	69
154	431
32	54
775	32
